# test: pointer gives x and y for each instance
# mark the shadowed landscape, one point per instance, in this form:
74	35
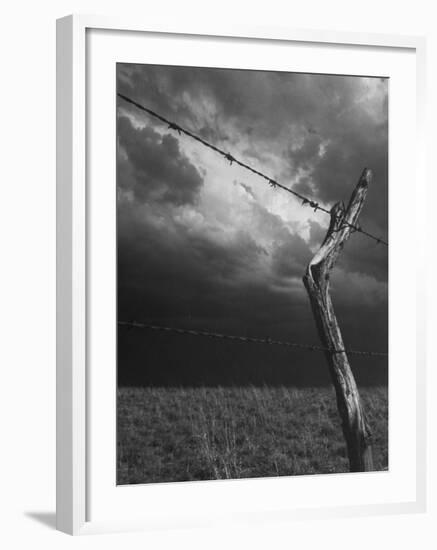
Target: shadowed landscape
187	434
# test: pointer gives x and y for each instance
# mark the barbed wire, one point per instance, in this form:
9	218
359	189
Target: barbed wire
247	339
272	182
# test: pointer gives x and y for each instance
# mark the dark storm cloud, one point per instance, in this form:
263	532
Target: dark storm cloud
185	281
173	278
336	173
366	257
180	275
182	263
290	258
337	134
305	187
155	168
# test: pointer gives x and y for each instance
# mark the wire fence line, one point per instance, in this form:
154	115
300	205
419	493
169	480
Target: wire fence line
246	339
272	182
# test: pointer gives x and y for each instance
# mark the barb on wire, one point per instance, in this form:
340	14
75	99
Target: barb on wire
229	157
272	182
246	339
175	127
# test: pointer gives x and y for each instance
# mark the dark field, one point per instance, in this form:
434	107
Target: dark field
185	434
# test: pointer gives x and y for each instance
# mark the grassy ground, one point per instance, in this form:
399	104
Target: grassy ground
178	434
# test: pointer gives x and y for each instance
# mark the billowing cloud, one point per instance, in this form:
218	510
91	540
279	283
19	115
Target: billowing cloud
206	245
153	167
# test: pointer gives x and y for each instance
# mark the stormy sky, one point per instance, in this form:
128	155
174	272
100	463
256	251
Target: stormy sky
202	244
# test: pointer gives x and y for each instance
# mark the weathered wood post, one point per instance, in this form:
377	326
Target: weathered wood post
316	279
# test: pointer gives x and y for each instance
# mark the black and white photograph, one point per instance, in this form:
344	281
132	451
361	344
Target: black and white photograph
218	274
252	273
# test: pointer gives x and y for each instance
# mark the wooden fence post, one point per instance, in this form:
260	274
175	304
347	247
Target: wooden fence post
316	279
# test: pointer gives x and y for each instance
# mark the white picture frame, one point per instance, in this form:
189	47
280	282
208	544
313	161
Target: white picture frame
73	299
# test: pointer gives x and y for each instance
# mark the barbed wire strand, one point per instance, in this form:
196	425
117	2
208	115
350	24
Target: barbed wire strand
272	182
246	339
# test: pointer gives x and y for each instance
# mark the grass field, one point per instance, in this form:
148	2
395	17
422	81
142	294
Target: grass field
181	434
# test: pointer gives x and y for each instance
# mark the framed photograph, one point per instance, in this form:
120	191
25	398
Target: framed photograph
239	334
